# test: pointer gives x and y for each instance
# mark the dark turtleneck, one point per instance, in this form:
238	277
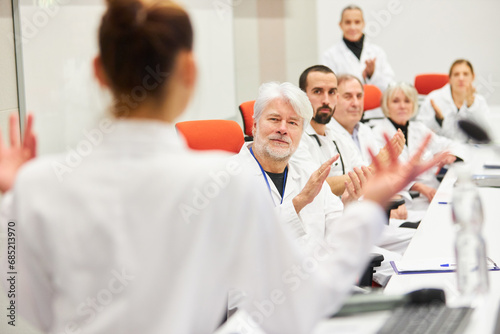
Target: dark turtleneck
278	180
355	47
404	129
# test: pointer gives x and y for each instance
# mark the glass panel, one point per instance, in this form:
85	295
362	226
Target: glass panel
8	81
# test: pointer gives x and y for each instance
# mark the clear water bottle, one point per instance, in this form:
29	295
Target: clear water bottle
470	248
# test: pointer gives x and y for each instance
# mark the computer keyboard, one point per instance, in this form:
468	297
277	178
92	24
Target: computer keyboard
429	318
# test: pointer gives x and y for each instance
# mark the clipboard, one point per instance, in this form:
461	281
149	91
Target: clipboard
429	266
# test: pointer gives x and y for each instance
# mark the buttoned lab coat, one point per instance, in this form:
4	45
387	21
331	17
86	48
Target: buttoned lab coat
342	61
143	228
478	111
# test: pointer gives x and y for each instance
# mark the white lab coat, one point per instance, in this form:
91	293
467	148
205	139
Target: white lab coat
367	140
342	61
394	239
365	137
478	111
416	134
309	151
315	219
142	228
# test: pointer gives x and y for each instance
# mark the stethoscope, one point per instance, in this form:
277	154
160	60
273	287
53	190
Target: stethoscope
336	146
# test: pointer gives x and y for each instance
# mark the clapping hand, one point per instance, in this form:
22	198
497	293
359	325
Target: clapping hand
369	69
398	143
354	187
437	110
470	95
388	179
313	185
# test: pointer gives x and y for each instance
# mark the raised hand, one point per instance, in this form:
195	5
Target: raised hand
398	143
13	156
313	185
369	69
390	178
437	110
470	95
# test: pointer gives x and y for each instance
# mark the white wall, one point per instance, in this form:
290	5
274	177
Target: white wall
274	41
60	42
426	35
214	48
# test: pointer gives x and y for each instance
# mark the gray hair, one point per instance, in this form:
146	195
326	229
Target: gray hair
286	92
350	7
348	77
407	89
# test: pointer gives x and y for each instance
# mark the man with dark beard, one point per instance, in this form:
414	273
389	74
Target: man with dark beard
320	142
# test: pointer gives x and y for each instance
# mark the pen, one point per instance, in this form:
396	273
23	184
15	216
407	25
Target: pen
489	259
447	265
444	202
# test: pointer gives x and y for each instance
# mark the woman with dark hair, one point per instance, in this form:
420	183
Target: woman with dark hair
146	236
458	99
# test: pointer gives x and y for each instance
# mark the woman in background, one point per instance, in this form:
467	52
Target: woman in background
458	99
399	104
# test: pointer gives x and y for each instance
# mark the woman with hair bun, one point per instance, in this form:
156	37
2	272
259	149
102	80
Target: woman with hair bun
146	236
458	99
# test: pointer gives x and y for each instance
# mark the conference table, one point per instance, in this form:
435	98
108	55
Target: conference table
433	239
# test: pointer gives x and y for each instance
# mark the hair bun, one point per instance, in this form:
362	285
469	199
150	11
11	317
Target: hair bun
138	36
127	13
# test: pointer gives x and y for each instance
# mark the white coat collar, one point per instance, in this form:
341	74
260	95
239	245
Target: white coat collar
142	132
338	129
330	132
447	89
248	158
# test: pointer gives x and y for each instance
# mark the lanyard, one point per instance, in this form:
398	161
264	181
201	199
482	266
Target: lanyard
267	181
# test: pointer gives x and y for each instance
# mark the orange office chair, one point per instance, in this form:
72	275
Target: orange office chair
426	83
214	134
371	101
372	98
246	110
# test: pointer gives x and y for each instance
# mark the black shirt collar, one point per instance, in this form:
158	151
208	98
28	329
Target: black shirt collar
355	47
279	180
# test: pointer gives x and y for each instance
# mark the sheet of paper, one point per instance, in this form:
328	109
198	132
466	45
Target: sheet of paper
431	265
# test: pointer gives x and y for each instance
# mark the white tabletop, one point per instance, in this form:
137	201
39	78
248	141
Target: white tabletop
435	239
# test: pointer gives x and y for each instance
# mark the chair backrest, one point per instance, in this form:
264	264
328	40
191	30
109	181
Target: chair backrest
427	82
214	134
246	110
372	97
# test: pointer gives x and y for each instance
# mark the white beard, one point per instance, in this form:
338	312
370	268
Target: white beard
278	154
